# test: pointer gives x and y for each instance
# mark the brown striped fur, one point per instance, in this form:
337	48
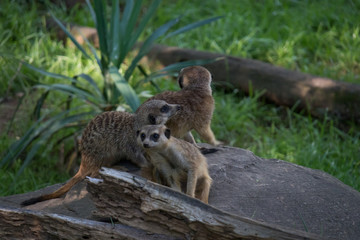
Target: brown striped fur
111	136
197	103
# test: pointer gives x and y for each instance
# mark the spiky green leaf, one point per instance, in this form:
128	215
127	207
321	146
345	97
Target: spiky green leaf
55	124
93	84
101	28
70	35
114	37
46	73
124	88
144	49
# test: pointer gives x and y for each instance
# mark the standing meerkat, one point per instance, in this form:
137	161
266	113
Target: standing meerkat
111	136
176	160
197	103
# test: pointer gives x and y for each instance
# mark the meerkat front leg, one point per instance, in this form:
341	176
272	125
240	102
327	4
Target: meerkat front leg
189	138
203	189
175	182
191	183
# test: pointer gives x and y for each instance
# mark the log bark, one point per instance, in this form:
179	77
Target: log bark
134	201
251	197
27	224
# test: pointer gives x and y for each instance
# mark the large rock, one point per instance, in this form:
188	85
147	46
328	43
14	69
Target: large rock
264	190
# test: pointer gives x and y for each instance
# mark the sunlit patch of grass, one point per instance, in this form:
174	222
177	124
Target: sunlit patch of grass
310	36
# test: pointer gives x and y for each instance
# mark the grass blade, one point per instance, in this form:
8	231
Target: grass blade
14	114
114	38
125	89
45	73
192	26
39	104
131	22
92	49
93	84
56	125
70	35
71	90
19	146
144	49
141	26
92	12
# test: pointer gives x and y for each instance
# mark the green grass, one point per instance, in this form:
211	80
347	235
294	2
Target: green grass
319	37
310	36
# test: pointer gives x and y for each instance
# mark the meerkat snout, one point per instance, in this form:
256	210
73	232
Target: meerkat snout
153	136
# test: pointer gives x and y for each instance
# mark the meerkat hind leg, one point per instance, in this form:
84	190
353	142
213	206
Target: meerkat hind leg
191	183
189	138
207	134
203	189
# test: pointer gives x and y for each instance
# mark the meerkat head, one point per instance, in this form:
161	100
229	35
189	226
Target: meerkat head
153	136
194	76
155	112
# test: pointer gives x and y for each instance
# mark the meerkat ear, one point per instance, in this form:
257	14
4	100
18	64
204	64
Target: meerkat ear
137	133
152	119
167	133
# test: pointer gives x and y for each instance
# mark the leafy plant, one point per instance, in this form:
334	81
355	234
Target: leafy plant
85	97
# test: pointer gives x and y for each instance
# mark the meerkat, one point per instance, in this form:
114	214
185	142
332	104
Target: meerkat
110	136
197	103
176	160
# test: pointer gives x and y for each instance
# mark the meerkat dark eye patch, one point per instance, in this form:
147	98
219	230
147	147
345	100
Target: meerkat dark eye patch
142	136
155	137
164	109
137	133
167	133
181	81
152	119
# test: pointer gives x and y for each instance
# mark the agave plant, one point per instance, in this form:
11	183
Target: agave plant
117	37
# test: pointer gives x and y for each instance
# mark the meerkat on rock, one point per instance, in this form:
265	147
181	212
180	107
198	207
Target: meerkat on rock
111	136
176	160
197	103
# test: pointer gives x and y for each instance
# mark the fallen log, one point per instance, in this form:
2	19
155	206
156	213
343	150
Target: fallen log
136	202
250	196
27	224
317	94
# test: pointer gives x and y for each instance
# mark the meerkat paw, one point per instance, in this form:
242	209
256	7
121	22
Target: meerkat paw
219	143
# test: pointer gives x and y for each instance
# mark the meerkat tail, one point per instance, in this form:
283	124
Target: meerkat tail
205	151
80	175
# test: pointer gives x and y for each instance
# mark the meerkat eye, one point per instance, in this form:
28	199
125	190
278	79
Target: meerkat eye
142	136
152	120
155	137
164	109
